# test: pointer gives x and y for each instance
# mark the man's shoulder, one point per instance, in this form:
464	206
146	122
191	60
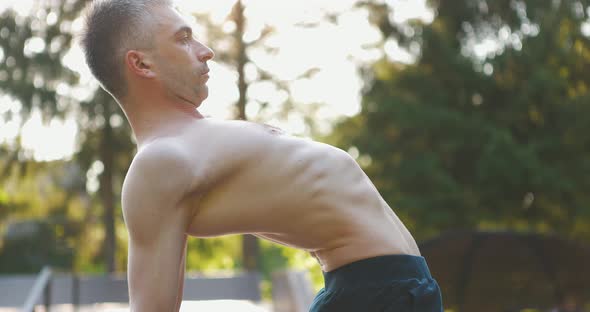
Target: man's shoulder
161	154
162	165
240	127
159	177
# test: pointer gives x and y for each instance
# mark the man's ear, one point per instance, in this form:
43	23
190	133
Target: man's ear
139	63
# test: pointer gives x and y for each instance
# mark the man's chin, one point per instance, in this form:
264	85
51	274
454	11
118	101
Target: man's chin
202	95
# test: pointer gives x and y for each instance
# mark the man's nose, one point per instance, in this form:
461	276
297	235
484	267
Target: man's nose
205	54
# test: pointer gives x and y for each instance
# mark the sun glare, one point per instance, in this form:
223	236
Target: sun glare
48	142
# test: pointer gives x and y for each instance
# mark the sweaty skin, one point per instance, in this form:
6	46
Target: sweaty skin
204	177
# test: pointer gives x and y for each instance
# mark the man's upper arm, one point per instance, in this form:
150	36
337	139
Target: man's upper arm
156	222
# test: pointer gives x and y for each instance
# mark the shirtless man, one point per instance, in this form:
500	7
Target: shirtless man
204	177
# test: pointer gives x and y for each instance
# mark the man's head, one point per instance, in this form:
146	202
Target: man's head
133	44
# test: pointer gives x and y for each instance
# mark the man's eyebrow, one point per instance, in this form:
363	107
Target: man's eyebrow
185	29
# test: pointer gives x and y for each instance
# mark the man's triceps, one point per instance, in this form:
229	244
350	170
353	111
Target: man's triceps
181	277
154	273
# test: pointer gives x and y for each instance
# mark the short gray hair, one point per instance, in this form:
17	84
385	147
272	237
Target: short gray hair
112	28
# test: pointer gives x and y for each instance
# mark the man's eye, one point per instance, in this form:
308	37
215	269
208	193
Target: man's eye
186	38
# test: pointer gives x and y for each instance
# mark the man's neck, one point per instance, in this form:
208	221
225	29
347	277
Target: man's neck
150	120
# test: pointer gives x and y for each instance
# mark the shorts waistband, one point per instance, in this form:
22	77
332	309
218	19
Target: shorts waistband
376	270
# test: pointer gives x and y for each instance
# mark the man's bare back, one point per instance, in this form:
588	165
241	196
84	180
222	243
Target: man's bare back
250	178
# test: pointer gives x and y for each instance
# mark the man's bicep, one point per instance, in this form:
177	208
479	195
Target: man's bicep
154	271
181	272
156	219
157	240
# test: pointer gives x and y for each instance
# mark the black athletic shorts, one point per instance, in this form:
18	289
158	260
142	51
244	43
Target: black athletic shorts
392	283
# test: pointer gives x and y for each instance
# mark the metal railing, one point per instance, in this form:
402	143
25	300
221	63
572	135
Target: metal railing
42	287
51	288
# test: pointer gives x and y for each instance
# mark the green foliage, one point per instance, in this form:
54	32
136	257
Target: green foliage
30	245
32	50
301	260
43	219
461	140
213	254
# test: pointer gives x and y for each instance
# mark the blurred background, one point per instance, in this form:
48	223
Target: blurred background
472	118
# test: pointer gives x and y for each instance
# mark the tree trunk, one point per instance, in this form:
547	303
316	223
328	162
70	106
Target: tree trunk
107	195
250	253
241	58
250	246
